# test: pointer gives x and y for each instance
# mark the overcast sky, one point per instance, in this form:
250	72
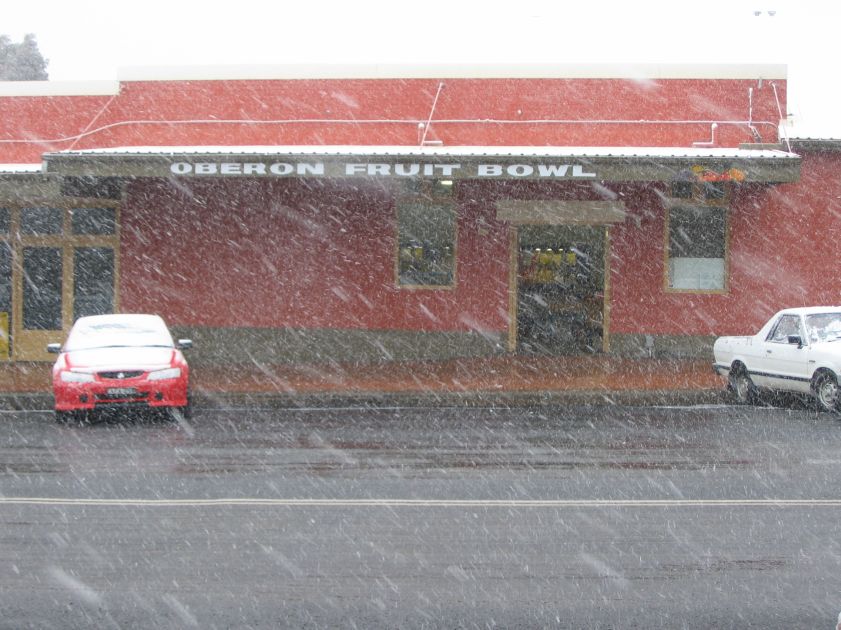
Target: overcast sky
93	39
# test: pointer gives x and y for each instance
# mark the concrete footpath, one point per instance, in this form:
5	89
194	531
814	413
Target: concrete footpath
497	381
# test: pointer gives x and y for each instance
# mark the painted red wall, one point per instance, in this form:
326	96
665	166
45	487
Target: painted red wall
321	254
313	254
574	112
298	254
784	244
33	125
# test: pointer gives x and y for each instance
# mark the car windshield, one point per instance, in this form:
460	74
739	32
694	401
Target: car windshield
824	327
118	333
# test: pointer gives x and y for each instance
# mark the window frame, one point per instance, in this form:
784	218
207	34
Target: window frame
800	326
697	199
429	194
27	344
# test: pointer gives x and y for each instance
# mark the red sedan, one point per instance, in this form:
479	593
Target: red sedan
119	361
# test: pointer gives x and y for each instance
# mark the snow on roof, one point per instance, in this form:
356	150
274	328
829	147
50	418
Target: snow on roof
633	71
20	168
59	88
453	151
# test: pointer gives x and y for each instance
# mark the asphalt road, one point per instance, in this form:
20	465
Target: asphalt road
568	517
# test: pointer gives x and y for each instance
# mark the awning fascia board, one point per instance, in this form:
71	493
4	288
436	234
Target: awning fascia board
491	164
561	212
29	187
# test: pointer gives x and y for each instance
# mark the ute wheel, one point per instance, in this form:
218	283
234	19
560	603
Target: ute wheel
744	391
826	392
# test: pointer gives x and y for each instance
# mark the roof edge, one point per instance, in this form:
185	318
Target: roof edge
829	145
428	151
638	71
59	88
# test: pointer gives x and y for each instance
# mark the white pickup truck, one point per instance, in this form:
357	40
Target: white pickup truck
797	350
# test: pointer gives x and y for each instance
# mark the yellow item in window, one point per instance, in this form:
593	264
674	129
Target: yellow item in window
570	258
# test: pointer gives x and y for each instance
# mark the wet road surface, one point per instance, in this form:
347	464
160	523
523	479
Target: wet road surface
602	517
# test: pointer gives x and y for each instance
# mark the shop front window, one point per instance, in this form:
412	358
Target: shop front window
697	246
426	243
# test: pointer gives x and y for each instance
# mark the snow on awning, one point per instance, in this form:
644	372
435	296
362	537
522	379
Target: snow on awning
435	162
18	169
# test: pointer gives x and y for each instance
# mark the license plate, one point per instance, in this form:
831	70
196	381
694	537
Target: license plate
121	391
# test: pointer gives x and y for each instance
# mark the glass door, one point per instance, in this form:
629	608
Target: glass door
64	267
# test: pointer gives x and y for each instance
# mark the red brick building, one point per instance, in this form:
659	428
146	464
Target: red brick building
369	213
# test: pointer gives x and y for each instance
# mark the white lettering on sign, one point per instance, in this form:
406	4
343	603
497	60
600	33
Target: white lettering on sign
381	169
552	170
527	170
406	170
578	171
447	169
253	168
310	169
489	170
281	168
520	170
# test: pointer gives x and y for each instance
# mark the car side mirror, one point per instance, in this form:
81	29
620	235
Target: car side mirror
796	340
184	344
54	348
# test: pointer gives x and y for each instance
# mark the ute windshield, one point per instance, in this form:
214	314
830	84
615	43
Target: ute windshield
824	327
124	332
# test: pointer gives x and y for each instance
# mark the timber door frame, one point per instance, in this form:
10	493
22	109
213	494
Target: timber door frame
30	345
514	288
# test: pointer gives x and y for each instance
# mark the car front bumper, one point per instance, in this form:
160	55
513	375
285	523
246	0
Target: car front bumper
88	396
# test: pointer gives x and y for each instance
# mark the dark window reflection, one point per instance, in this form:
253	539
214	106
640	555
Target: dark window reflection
426	234
35	221
5	277
94	220
697	232
93	281
42	269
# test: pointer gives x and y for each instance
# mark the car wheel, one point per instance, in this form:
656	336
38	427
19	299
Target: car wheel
826	392
744	391
72	417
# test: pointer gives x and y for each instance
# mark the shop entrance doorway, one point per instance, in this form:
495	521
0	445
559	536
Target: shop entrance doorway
561	289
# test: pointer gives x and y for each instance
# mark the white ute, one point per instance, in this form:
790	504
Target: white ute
797	350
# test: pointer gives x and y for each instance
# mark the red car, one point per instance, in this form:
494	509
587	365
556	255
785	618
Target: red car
119	361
